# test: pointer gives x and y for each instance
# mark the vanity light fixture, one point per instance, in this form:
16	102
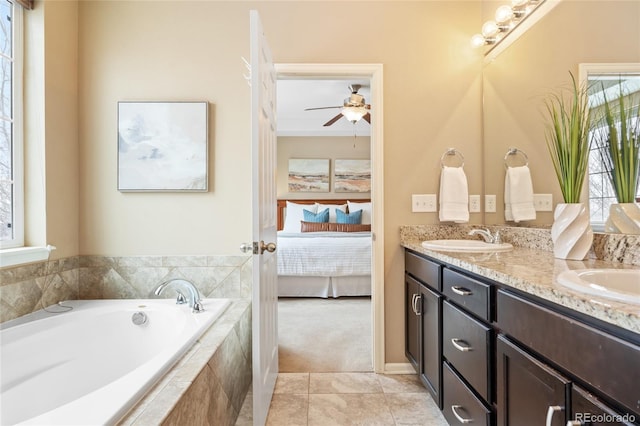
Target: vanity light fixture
507	17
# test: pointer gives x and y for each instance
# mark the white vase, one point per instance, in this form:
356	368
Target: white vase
571	231
624	218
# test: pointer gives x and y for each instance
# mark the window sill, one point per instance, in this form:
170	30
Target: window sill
22	255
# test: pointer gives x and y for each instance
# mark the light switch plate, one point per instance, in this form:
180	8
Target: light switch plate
423	203
490	203
543	202
474	204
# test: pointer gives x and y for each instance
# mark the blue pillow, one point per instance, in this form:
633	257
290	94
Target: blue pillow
323	216
352	218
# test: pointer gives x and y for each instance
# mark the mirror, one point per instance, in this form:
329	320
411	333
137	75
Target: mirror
516	82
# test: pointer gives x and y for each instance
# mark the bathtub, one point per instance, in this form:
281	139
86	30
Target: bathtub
91	364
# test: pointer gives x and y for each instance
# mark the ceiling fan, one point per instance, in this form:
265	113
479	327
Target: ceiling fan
354	108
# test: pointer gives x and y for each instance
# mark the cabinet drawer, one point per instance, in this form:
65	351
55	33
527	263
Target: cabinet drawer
466	344
605	362
425	270
473	295
461	406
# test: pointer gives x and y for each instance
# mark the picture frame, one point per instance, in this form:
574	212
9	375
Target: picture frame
163	146
352	175
308	175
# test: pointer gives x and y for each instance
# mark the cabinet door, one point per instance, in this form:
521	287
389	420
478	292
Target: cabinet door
431	314
586	409
412	321
527	389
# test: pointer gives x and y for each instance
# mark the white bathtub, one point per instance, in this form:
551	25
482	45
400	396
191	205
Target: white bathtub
90	365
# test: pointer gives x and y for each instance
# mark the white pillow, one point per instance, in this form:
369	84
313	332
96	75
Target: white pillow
366	211
293	216
332	209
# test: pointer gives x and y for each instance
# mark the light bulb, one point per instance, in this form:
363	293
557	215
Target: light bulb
504	14
490	29
477	40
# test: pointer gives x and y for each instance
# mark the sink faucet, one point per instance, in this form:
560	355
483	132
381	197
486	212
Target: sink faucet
195	301
486	235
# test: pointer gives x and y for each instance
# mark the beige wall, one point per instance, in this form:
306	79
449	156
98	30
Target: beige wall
517	82
331	148
191	50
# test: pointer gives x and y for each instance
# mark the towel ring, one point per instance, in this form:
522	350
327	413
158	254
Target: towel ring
453	152
515	151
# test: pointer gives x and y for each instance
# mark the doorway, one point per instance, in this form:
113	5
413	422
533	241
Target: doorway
372	72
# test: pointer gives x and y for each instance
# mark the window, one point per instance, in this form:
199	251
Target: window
11	159
601	192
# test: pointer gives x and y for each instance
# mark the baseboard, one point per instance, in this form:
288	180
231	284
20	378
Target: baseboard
399	368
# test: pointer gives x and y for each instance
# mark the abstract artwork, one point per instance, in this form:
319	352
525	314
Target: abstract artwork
352	176
308	175
162	146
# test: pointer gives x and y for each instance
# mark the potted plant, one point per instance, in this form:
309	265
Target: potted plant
567	137
617	136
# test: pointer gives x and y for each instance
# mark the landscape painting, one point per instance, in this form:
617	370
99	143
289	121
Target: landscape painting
352	175
162	146
308	175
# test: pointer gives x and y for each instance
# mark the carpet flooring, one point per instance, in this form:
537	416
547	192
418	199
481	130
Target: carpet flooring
324	335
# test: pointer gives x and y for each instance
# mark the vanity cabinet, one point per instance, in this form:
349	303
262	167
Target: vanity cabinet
491	354
423	311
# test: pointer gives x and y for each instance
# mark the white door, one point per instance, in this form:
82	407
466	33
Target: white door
265	291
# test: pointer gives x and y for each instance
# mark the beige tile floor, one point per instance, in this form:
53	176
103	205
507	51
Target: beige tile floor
325	399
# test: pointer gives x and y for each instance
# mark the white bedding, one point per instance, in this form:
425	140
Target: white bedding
324	254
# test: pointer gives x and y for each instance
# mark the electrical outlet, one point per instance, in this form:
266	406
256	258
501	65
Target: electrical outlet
474	203
490	203
543	202
423	203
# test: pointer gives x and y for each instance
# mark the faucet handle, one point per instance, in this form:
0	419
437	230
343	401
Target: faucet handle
496	238
180	300
197	307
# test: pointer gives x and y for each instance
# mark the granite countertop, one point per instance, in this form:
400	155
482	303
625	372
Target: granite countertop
532	270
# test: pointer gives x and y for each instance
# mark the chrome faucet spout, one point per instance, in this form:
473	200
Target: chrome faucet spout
194	300
485	234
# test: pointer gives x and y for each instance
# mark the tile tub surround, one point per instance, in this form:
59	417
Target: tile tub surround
28	288
209	384
534	270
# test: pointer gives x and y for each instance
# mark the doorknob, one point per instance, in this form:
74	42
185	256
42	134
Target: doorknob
271	247
249	248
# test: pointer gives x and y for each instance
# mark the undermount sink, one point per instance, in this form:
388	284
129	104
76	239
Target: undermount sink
616	284
470	246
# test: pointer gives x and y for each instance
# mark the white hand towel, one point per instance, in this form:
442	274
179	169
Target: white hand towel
454	195
518	195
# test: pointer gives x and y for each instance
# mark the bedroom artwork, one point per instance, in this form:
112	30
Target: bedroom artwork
162	146
308	175
352	176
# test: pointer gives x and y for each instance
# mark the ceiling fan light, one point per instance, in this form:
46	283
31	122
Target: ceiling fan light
354	114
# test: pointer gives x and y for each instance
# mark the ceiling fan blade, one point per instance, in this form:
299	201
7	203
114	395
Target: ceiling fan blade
333	120
311	109
367	117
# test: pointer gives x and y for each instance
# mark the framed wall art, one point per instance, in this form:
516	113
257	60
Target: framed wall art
162	146
352	175
308	175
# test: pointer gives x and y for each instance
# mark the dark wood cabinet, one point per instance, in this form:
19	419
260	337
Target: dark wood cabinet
528	389
491	354
423	312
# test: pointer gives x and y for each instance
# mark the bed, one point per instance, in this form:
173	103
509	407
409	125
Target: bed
323	259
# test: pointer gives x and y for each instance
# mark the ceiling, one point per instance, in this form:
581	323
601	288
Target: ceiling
294	95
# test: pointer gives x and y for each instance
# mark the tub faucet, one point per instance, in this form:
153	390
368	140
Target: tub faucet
486	235
194	300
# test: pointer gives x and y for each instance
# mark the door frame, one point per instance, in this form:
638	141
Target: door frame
374	73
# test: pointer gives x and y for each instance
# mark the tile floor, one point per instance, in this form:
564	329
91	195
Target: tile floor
325	399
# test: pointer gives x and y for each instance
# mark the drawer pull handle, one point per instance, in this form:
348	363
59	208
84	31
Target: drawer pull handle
551	411
461	290
415	300
461	345
454	410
